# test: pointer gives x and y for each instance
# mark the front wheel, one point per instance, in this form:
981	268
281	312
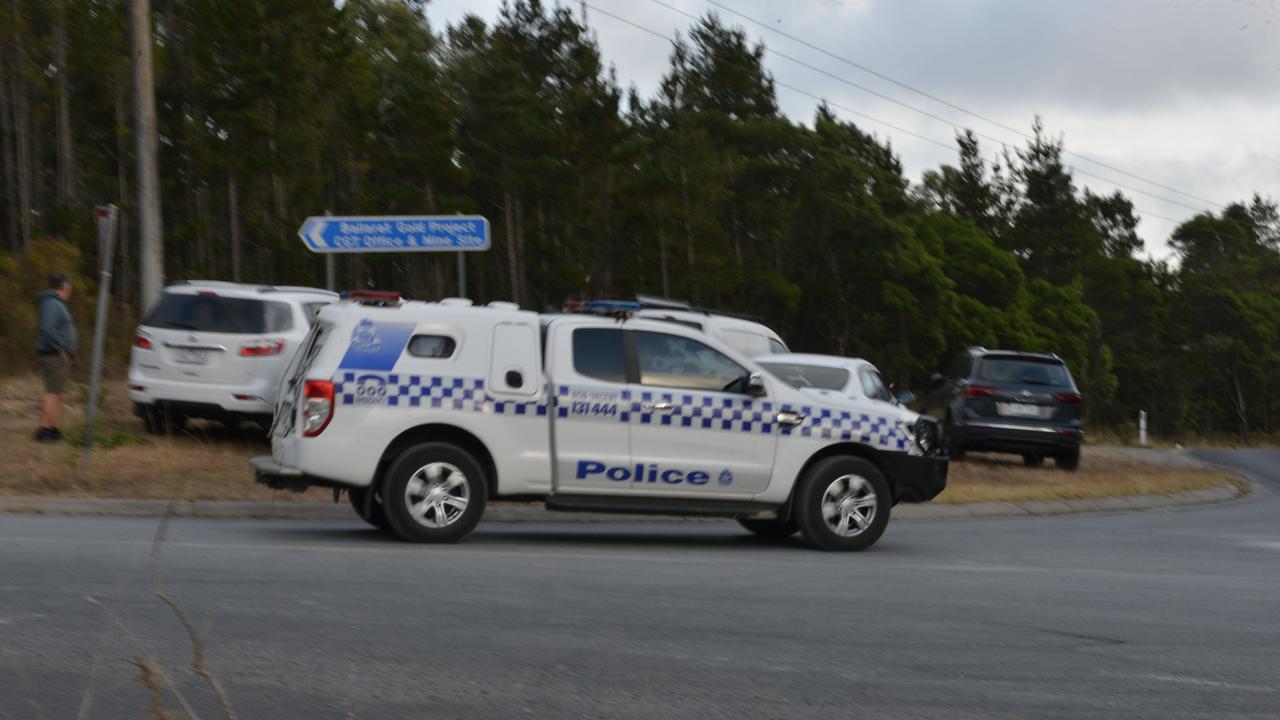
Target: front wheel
769	528
843	503
434	492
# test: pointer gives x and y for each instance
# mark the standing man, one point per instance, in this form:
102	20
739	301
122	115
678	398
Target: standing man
55	344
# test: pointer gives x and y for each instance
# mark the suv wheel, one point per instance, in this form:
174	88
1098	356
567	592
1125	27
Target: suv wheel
769	528
377	517
1068	460
842	503
1032	459
949	441
434	492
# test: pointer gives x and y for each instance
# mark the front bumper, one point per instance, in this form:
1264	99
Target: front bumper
918	478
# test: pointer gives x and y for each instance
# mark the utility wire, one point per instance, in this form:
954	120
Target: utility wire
950	104
933	116
806	93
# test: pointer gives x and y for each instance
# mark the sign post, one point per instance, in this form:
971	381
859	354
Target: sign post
329	234
106	218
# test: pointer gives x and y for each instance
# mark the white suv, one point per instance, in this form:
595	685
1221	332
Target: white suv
217	350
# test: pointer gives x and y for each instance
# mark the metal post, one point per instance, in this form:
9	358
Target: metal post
1142	428
328	266
462	274
106	216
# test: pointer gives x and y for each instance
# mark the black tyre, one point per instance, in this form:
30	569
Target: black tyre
952	443
769	528
842	503
1032	459
1068	460
159	419
376	517
434	492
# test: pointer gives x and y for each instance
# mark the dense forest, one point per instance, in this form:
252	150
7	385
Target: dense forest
272	110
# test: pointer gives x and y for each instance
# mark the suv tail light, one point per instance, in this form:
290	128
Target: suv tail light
259	348
142	341
1070	398
317	407
974	391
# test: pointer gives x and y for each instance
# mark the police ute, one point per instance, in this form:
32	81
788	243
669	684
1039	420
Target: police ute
424	412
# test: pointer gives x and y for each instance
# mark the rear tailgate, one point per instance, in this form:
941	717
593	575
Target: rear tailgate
1023	390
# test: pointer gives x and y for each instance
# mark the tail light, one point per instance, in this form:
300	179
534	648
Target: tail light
317	407
974	391
260	348
142	341
1070	398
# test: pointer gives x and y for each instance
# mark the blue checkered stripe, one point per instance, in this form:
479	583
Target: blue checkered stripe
829	424
437	392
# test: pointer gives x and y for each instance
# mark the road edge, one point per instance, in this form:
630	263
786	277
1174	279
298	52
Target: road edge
535	513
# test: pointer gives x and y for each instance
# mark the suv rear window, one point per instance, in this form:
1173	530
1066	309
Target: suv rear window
1023	371
214	313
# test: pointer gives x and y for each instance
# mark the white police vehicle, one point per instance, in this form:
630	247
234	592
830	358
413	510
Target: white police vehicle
423	412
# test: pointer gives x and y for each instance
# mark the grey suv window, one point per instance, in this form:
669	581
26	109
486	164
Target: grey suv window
598	353
1028	372
209	312
679	362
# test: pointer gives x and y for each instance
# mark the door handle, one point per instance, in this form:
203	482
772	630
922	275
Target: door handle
662	407
788	419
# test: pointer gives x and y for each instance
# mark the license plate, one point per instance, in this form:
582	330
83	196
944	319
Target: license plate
1018	409
192	357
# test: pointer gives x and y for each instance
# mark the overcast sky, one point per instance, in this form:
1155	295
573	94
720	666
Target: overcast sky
1185	93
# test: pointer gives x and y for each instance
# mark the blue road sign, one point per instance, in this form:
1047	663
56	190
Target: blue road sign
395	233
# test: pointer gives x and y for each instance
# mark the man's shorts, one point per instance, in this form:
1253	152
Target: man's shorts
55	368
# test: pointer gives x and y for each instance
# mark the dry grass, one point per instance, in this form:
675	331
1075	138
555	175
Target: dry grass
990	477
209	463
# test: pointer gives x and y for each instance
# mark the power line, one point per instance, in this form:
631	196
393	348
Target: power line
933	116
840	106
952	105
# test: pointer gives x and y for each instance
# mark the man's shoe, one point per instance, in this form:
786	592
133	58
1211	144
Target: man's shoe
56	434
45	434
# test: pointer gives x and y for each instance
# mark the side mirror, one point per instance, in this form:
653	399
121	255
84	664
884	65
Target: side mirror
936	381
755	385
906	397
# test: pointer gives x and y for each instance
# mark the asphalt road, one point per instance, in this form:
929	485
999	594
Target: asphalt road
1163	614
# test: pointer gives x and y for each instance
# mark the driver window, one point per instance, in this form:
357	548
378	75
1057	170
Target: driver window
873	386
679	362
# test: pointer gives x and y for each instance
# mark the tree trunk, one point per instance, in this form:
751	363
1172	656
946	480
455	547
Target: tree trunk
21	128
521	258
1242	415
233	224
662	260
688	232
66	158
150	241
122	192
8	149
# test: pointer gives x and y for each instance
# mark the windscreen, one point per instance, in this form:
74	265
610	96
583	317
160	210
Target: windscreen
1023	371
809	376
213	313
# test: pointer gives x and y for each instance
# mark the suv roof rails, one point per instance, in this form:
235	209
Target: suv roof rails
653	302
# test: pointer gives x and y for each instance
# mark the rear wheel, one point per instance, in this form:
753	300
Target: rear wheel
952	443
842	503
1032	459
434	492
159	419
376	517
769	528
1068	460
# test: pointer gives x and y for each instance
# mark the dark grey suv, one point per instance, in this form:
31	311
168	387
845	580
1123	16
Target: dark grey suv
1009	401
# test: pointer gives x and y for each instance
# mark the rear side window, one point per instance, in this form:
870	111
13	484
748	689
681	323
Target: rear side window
598	353
432	346
1022	371
213	313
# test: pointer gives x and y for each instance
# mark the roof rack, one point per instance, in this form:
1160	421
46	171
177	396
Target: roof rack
653	302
